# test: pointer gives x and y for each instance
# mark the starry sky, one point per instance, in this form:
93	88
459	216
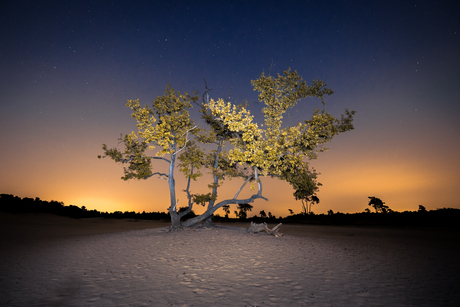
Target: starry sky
68	67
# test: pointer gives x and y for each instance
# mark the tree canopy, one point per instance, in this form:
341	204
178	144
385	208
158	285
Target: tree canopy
276	150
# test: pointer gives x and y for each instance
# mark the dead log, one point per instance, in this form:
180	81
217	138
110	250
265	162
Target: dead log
255	228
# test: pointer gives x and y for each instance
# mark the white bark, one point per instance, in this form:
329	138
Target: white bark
255	228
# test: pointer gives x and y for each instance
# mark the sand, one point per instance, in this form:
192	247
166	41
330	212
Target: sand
55	261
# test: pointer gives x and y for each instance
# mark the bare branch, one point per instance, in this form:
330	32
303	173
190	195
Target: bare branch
186	140
242	186
206	92
159	174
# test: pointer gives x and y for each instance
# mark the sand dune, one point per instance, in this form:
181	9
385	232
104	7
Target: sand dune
88	264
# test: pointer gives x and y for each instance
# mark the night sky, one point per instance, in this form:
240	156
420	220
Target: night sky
67	69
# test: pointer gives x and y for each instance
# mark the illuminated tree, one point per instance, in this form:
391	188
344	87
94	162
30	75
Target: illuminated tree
276	151
215	160
273	151
166	125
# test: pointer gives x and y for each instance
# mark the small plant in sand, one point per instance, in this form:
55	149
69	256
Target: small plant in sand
167	130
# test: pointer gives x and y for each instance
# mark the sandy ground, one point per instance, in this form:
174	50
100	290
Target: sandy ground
55	261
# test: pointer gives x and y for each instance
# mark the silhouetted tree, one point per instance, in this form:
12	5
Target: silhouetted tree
303	180
378	204
226	209
242	210
263	214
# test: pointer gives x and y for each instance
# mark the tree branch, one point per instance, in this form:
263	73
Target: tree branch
186	140
190	200
242	186
211	211
159	174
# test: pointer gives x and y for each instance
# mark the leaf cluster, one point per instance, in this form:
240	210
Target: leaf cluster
139	165
166	124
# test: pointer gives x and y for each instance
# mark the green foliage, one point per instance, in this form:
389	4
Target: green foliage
305	185
139	165
166	124
191	161
276	150
202	199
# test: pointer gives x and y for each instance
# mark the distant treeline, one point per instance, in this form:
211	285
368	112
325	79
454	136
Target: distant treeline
444	217
14	204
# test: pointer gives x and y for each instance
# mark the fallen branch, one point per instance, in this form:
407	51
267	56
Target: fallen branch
255	228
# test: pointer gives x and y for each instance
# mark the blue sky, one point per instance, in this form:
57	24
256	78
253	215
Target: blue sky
67	69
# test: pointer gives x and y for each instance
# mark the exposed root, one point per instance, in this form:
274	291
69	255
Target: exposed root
255	228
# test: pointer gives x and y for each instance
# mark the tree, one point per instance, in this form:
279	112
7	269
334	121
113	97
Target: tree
305	187
263	214
276	151
273	151
226	209
378	205
242	211
167	125
214	160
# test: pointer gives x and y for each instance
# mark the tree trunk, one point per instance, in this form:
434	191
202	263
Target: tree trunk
208	222
175	219
209	212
